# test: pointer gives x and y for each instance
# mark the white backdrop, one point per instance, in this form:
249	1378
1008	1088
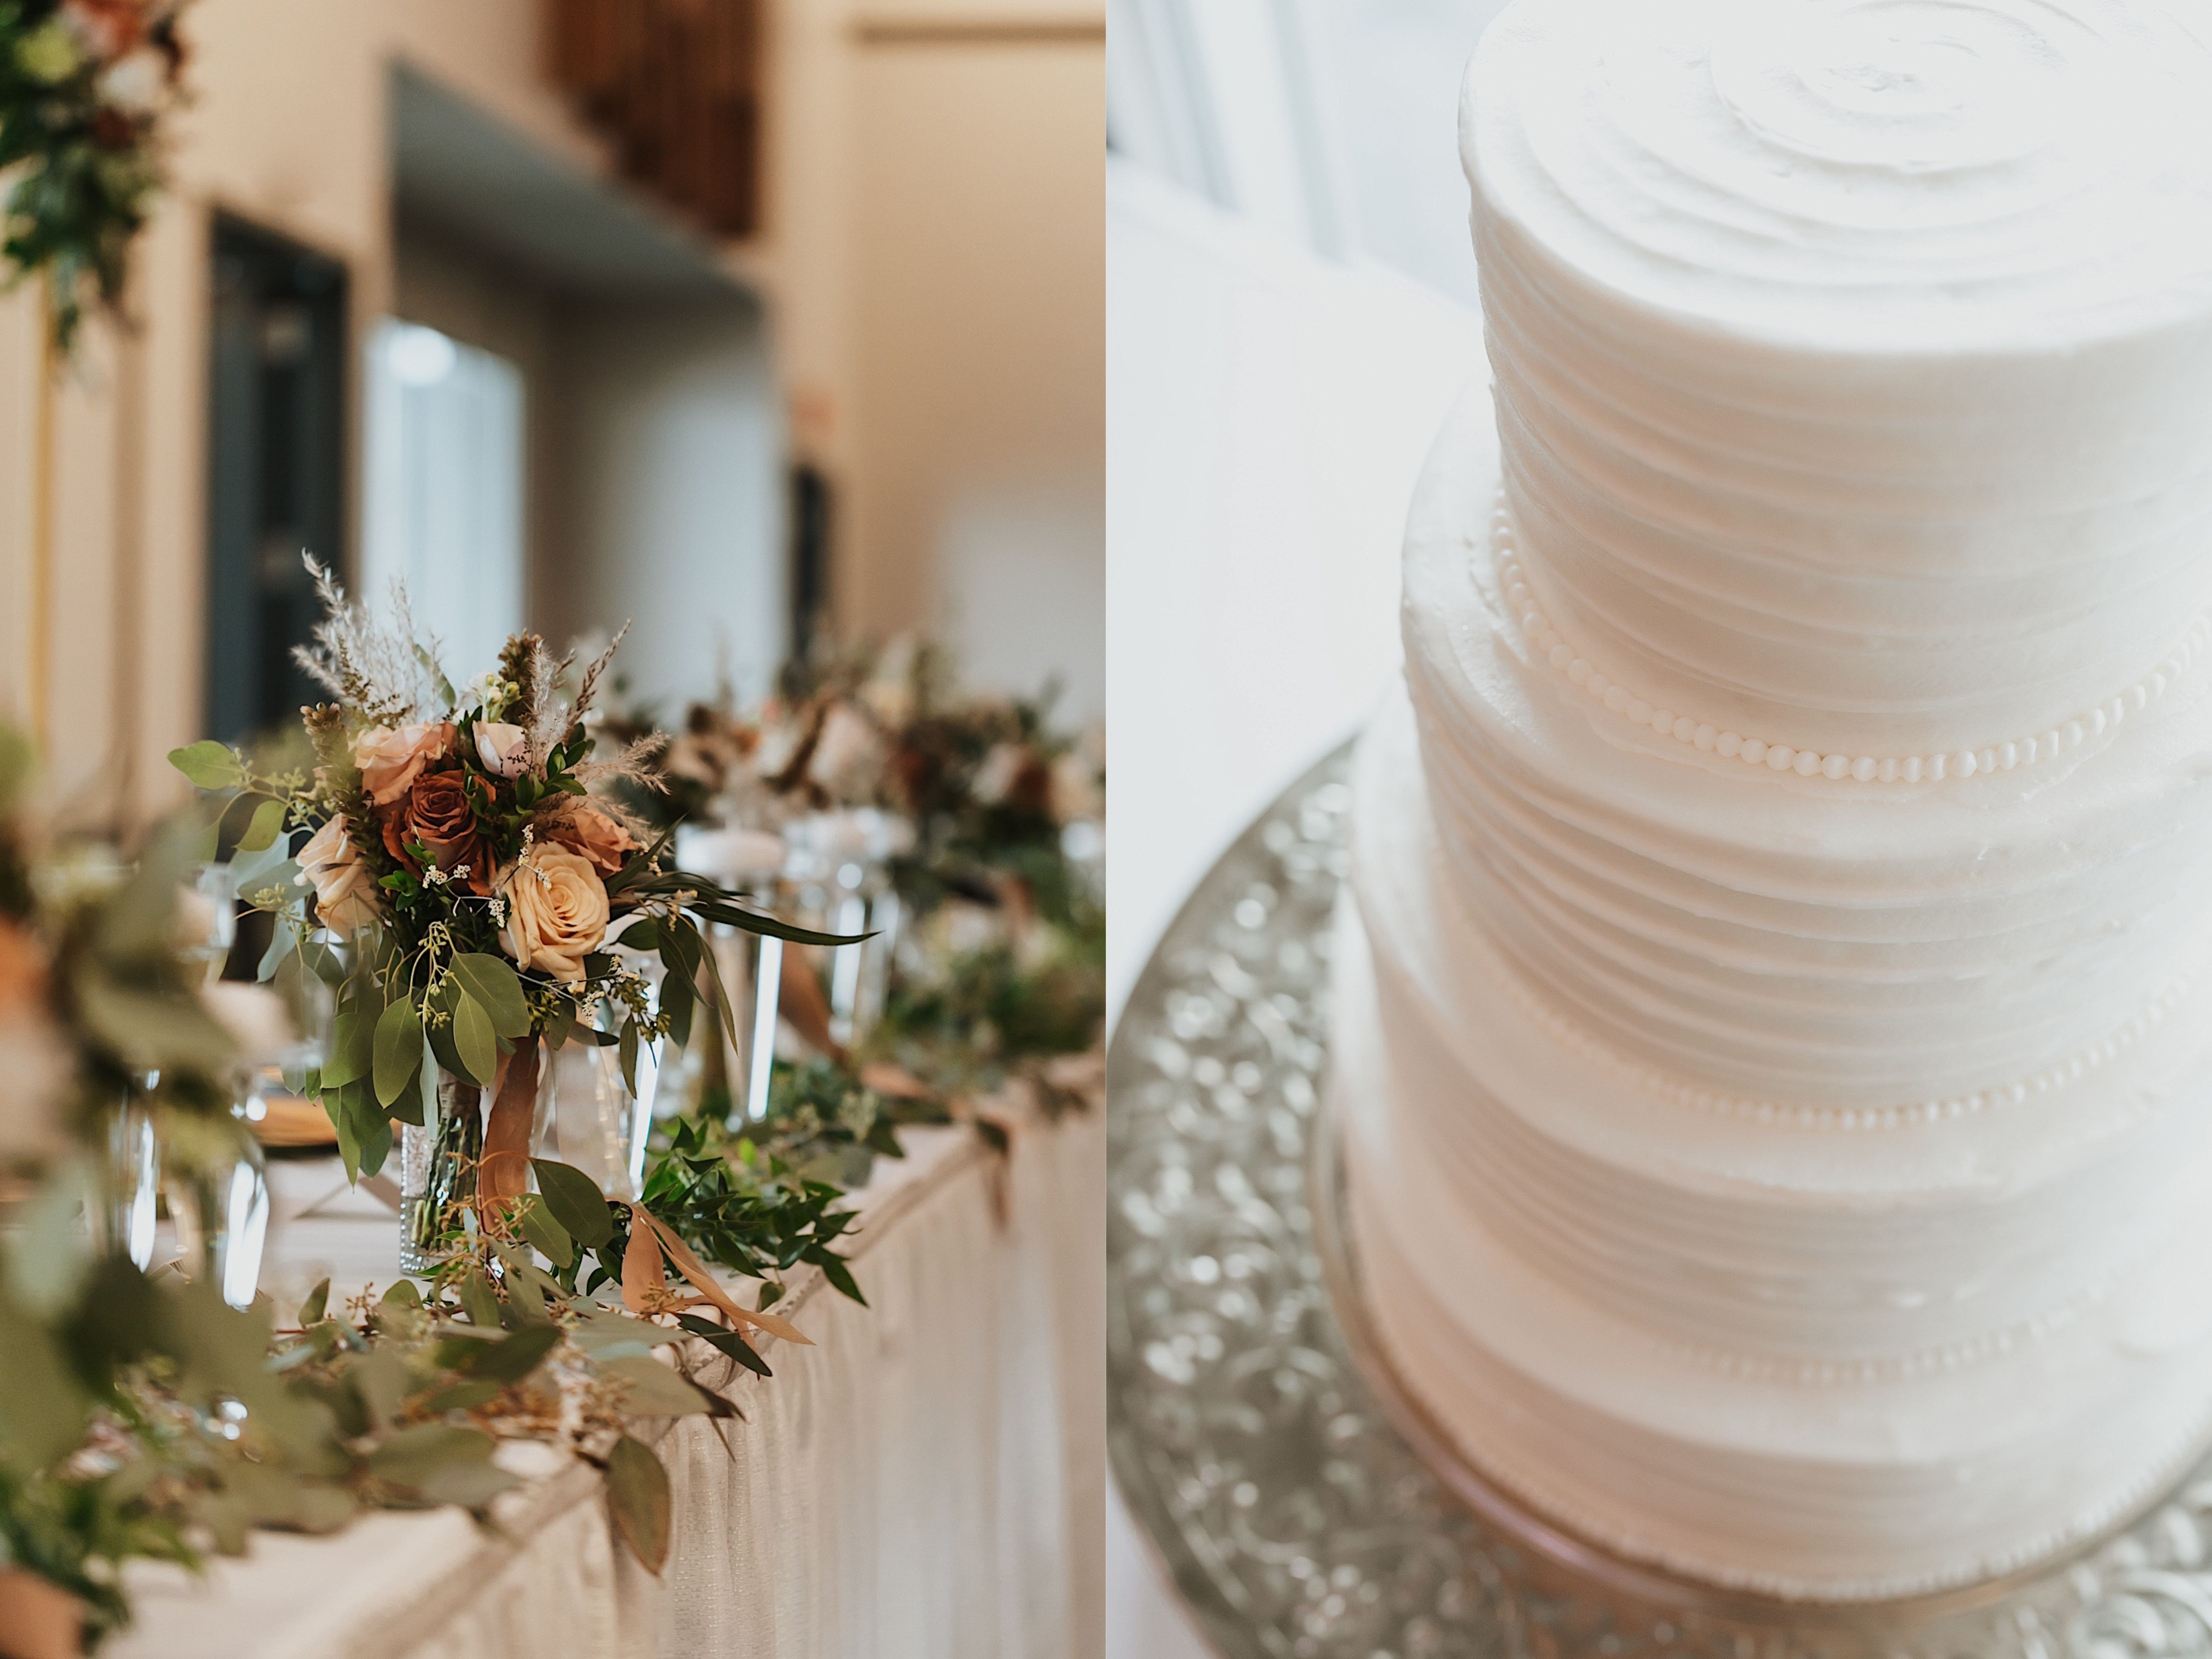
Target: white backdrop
1266	413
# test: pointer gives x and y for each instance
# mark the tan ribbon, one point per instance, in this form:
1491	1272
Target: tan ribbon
39	1619
799	999
645	1281
506	1168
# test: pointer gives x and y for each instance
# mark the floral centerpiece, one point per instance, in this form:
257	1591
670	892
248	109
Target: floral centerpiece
998	981
84	86
465	890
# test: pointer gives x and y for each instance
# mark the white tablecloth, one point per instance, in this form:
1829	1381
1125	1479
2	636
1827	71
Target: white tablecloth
924	1483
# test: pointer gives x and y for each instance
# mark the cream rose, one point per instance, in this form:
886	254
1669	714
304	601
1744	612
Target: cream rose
391	761
346	898
502	750
1001	770
848	754
556	911
598	835
1073	791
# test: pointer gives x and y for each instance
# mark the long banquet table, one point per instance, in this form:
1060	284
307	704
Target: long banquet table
926	1482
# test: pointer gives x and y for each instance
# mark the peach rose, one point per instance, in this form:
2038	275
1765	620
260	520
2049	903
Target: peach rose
346	898
502	750
556	911
597	835
391	761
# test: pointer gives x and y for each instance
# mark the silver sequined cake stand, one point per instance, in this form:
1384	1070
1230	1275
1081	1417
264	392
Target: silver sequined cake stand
1303	1502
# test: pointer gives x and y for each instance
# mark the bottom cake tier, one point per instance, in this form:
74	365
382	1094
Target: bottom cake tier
1840	1470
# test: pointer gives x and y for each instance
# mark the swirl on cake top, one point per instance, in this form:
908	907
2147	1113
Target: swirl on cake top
1892	172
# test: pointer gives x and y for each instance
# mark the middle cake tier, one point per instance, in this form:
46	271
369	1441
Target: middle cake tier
1763	941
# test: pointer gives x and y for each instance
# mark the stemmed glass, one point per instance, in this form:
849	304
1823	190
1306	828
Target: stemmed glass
130	1207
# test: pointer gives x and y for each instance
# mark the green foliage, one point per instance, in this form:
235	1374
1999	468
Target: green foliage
745	1209
987	1010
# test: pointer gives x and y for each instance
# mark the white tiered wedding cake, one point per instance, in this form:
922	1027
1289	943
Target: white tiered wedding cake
1772	1022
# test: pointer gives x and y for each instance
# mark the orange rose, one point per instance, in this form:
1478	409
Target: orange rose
597	835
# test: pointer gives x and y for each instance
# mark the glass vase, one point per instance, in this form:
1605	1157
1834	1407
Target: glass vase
131	1183
438	1163
600	1126
218	1190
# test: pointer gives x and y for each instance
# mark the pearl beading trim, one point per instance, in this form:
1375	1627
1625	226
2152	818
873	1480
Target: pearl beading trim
1963	1355
1704	736
1907	1115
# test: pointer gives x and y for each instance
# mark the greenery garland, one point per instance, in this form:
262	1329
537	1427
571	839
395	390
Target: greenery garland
84	87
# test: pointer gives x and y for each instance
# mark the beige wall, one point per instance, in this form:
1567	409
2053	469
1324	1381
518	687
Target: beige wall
938	258
933	263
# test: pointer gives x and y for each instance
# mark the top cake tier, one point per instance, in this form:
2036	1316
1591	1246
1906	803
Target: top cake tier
1854	357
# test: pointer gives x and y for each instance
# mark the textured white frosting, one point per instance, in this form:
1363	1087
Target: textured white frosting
1793	1179
1854	357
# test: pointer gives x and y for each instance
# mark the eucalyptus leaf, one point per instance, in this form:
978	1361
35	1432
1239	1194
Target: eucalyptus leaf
677	999
493	983
47	1410
468	1483
252	869
752	922
154	1028
511	1358
353	1047
477	1301
681	948
48	1255
318	1299
628	1053
263	828
642	934
476	1043
654	1390
412	1456
379	1381
637	1493
726	1341
325	960
575	1200
341	1117
282	941
546	1235
605	1335
459	1397
208	764
398	1050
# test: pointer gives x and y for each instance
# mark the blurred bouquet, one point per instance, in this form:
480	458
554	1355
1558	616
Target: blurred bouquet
990	788
998	974
84	85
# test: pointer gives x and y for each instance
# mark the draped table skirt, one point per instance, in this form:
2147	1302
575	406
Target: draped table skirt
926	1482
